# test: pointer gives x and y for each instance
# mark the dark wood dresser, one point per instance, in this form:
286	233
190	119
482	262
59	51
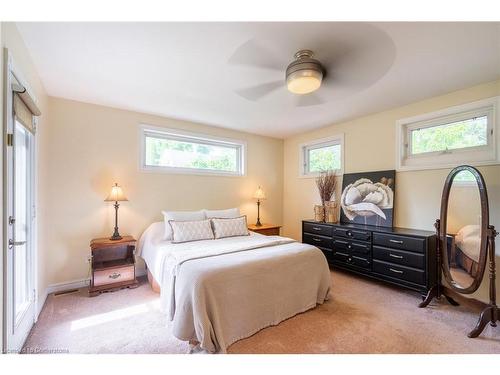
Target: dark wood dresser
400	256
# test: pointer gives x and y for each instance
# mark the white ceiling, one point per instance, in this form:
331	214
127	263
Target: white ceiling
199	71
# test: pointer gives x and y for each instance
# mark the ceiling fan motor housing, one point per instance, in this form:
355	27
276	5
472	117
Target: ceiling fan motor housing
304	66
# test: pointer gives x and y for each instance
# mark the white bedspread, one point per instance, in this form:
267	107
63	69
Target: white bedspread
219	291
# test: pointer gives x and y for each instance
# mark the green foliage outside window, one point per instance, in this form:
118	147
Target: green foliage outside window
172	153
455	135
325	158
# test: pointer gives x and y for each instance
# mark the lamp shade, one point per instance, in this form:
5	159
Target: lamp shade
116	194
259	194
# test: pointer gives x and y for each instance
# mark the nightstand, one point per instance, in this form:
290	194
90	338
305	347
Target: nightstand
113	265
266	229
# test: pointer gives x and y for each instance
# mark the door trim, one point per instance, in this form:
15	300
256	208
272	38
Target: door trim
10	68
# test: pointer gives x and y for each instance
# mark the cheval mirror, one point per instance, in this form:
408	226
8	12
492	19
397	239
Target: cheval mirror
466	241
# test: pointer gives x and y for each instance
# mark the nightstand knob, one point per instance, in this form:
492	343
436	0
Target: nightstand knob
115	275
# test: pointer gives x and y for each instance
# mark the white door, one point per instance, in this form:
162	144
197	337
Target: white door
20	267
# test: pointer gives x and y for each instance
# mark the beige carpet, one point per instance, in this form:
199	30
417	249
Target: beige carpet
362	317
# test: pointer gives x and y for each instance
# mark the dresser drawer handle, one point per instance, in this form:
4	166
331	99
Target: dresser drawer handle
396	271
316	228
114	275
349	233
396	241
316	239
396	256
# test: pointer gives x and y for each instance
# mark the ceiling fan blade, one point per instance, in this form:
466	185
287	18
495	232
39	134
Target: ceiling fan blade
257	92
346	66
308	100
255	55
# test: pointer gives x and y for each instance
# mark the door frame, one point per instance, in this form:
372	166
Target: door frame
11	69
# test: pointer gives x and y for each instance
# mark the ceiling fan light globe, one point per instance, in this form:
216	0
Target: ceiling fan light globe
304	81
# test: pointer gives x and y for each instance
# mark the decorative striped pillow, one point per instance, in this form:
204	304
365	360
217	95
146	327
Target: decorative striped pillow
186	231
224	227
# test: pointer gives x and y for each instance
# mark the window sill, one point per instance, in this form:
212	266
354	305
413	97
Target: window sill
445	166
186	171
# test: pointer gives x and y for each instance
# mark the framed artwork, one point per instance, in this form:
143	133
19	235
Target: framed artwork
368	198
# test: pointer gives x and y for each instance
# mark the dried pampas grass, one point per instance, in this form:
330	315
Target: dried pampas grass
326	183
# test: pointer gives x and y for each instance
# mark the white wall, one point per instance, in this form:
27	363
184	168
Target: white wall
93	146
370	145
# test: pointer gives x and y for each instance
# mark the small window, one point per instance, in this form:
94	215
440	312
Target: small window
321	155
471	132
168	150
457	135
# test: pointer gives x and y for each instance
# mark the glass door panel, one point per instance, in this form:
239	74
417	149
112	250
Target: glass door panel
22	203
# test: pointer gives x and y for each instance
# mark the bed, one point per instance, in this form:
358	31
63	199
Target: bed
464	247
216	292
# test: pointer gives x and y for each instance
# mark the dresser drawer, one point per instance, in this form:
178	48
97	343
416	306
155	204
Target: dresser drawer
401	257
361	261
323	230
354	247
341	256
355	234
400	272
352	260
319	241
114	275
399	242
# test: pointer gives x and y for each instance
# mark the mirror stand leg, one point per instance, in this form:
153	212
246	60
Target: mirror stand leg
432	293
437	292
451	300
488	315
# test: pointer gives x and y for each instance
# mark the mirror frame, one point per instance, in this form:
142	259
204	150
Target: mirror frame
483	255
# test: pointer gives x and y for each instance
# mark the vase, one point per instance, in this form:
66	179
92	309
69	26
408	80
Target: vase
331	212
319	213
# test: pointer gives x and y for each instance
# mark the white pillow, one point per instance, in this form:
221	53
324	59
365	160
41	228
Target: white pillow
186	231
225	214
180	216
230	227
151	236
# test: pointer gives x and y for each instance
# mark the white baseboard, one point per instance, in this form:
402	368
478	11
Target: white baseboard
67	285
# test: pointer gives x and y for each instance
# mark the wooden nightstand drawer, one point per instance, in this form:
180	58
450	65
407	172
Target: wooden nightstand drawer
114	275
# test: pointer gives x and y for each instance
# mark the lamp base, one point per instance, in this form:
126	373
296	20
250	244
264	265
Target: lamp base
258	224
116	235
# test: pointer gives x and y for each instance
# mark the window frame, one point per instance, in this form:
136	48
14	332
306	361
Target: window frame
187	136
475	155
337	139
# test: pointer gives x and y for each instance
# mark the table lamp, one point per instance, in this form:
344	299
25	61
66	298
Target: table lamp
116	196
259	195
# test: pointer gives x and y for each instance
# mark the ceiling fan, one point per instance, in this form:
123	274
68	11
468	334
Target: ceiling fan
303	76
340	60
